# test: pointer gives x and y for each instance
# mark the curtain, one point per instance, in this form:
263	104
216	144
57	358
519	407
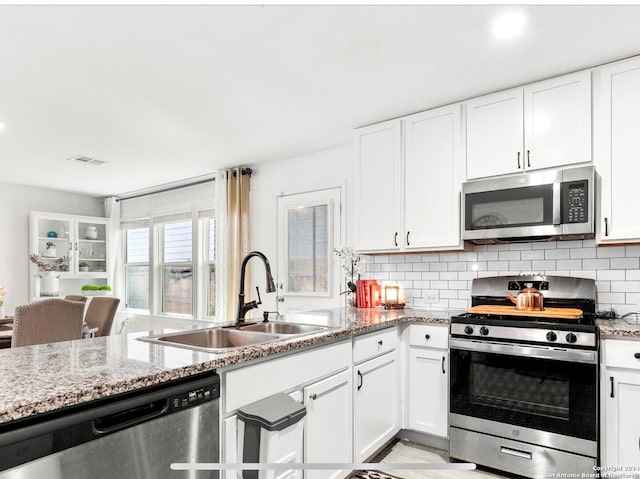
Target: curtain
114	254
237	222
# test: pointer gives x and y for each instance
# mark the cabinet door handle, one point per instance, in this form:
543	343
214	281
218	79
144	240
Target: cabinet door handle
443	371
518	160
313	396
395	239
528	159
360	380
636	355
426	336
606	226
611	379
380	343
76	246
408	237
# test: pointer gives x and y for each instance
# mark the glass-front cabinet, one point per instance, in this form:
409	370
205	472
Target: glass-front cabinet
73	247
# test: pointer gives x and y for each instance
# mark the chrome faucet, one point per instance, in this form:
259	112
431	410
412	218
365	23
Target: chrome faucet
243	307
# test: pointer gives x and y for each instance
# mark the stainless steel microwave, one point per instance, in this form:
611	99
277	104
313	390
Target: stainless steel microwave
540	205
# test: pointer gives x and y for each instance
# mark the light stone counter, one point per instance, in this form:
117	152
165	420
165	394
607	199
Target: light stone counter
618	329
49	377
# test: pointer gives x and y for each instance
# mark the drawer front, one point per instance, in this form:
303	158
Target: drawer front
373	344
620	353
429	335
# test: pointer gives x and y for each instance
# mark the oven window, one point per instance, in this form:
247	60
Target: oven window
527	206
554	396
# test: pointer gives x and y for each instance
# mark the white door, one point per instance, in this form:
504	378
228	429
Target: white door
557	121
433	157
428	391
328	424
495	134
375	404
309	229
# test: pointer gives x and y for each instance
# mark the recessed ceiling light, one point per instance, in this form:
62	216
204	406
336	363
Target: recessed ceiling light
509	24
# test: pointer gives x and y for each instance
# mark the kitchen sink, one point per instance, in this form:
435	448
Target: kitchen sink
283	328
212	340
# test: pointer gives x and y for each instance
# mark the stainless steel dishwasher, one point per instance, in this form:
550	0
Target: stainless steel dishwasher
134	436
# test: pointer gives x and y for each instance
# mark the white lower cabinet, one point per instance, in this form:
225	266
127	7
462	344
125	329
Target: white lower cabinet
428	379
428	391
328	435
620	435
375	404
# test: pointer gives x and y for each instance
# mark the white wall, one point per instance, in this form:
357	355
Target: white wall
325	169
15	204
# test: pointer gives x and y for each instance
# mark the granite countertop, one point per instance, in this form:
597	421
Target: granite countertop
49	377
618	329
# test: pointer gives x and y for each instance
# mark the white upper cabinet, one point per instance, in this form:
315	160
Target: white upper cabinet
617	143
408	180
432	179
378	179
542	125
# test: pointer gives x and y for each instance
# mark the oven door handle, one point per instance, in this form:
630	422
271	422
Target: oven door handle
532	351
515	452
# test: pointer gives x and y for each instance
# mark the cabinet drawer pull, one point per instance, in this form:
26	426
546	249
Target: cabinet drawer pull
606	226
360	380
611	380
528	159
636	355
426	336
518	160
395	239
443	371
313	396
380	343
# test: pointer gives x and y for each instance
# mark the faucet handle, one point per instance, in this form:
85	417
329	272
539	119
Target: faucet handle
259	299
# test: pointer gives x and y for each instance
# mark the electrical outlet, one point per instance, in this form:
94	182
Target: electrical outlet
431	297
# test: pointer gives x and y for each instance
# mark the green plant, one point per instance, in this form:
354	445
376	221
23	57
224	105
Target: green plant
82	264
96	287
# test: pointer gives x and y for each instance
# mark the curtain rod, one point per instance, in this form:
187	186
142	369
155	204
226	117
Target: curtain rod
170	188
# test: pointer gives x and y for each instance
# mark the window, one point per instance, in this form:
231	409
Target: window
308	249
170	254
136	267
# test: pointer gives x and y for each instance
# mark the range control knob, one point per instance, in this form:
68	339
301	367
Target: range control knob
551	336
571	338
468	330
484	330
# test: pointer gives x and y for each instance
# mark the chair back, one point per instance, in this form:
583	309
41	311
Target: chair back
76	297
100	314
47	321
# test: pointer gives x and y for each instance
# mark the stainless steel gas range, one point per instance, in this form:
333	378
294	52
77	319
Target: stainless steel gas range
524	384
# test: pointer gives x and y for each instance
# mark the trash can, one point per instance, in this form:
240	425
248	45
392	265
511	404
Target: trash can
270	430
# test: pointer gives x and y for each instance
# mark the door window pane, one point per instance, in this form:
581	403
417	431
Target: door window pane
308	249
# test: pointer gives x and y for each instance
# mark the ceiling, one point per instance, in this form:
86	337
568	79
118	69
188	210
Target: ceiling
164	93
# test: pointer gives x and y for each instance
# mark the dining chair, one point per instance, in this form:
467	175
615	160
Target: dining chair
47	321
76	297
100	314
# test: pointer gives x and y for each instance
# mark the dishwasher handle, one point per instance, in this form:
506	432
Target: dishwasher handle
130	417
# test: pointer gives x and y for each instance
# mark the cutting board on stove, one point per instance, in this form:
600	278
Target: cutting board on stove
558	313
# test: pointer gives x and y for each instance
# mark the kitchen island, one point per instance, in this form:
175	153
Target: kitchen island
45	378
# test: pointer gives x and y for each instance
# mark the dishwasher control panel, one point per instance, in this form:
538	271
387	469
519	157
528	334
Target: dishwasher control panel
194	397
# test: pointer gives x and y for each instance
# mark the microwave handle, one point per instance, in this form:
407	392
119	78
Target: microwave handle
557	213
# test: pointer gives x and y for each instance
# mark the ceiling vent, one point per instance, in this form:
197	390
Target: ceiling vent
85	160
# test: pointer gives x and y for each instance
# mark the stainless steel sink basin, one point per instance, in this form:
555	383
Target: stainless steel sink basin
285	328
212	340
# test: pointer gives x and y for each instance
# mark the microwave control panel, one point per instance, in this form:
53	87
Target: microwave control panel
575	202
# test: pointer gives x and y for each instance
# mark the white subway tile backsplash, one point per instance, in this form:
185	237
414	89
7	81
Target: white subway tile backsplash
556	254
580	253
444	279
625	263
612	252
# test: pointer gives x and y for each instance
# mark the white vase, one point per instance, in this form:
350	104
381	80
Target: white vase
91	233
3	314
49	284
50	252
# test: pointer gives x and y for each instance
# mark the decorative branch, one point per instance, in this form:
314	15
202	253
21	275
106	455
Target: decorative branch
59	264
